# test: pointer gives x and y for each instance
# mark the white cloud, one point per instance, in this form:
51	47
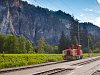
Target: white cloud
87	9
81	15
98	1
95	21
91	10
98	11
84	16
87	18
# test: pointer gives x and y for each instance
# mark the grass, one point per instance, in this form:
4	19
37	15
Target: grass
16	60
91	54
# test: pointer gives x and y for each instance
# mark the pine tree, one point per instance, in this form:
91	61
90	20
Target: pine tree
22	44
29	47
97	47
84	37
11	44
74	40
63	43
74	29
91	42
2	42
41	45
48	49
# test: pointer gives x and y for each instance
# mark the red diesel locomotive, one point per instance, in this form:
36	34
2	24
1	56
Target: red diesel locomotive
74	52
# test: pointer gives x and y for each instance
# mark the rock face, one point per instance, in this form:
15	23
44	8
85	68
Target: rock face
18	17
91	29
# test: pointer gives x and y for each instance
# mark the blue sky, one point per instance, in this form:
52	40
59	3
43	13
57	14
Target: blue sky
84	10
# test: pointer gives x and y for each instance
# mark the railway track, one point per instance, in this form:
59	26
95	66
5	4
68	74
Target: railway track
97	72
60	70
54	71
86	62
28	67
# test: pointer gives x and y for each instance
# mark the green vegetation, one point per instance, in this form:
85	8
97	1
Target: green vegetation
90	54
63	43
12	44
97	48
89	45
14	50
15	60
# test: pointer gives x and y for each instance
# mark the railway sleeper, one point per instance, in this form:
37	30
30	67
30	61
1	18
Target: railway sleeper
86	62
53	71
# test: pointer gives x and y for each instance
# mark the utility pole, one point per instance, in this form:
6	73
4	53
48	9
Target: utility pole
78	33
88	47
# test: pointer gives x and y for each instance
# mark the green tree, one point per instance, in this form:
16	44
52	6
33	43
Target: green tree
29	47
97	47
74	29
22	44
74	40
15	44
55	49
48	49
84	38
2	42
41	45
63	43
11	44
91	42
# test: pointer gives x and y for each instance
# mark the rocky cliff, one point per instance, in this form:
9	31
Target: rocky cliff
19	17
91	29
